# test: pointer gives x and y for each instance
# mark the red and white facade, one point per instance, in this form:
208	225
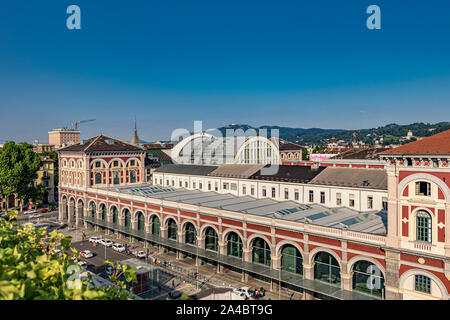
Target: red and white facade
398	255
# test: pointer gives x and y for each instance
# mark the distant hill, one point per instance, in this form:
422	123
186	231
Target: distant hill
391	133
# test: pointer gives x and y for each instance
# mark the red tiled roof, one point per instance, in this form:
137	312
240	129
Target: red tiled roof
435	144
47	159
100	143
289	146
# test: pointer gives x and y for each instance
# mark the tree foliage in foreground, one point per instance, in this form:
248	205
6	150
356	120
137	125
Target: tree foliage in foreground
30	269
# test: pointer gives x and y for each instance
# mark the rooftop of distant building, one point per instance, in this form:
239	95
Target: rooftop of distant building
438	144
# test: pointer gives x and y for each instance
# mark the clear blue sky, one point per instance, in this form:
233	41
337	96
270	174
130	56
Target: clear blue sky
289	63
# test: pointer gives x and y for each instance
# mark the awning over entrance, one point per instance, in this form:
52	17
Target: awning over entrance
262	270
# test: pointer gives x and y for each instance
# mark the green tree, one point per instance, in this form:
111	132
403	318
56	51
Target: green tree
305	154
30	268
18	170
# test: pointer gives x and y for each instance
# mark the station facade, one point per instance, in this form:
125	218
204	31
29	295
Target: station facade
410	261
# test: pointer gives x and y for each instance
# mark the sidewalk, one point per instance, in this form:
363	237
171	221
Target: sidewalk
182	268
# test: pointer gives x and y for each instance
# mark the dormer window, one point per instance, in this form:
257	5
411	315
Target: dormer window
423	188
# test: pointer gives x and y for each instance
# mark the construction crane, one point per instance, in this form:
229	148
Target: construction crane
76	123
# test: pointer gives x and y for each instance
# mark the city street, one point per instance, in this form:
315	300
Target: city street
178	270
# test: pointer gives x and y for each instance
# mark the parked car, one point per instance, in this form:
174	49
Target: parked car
106	242
118	247
43	210
140	254
86	254
242	290
35	215
30	211
95	239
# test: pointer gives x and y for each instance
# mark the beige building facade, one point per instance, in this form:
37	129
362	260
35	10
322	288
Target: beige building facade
63	137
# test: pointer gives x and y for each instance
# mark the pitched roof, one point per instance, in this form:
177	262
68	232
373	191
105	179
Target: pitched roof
102	143
435	144
352	177
374	222
363	153
242	171
157	145
286	145
190	169
301	174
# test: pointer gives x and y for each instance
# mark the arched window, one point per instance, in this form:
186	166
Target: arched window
423	226
116	177
234	245
98	178
261	252
367	278
103	211
211	241
190	234
326	268
127	218
141	221
81	180
154	222
172	229
114	214
291	259
92	209
132	176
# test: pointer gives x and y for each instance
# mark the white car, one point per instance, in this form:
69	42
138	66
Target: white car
140	254
86	254
118	247
106	242
242	290
30	211
95	239
238	296
35	215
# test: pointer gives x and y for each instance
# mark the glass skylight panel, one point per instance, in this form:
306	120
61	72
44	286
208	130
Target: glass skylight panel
293	210
318	215
357	219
